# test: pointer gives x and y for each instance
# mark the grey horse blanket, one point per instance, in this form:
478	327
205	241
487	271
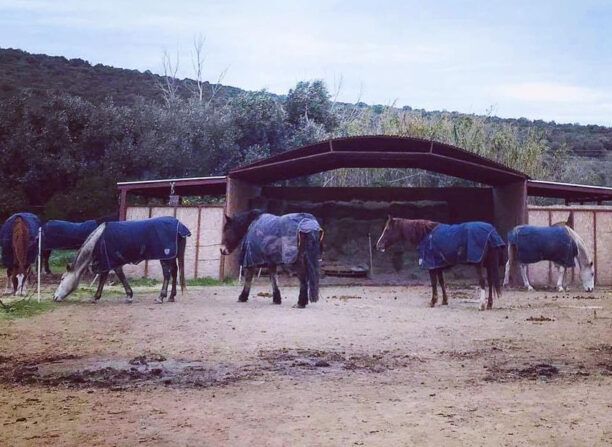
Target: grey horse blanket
132	241
464	243
274	239
534	244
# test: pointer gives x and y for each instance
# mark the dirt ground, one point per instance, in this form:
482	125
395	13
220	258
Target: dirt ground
370	366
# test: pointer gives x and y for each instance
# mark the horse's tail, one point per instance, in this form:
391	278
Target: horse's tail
495	258
20	241
312	254
182	242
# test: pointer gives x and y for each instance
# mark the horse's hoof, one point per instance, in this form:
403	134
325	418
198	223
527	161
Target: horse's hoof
561	289
93	301
171	299
432	304
445	303
530	289
299	306
242	300
159	301
128	301
276	302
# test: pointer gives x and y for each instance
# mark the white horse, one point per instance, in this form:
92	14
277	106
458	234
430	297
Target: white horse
171	266
584	261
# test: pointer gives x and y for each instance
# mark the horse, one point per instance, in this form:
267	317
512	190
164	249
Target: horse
19	240
442	246
114	244
64	235
292	241
558	243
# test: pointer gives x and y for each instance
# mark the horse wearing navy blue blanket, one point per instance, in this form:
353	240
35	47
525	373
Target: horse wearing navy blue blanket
64	235
559	244
443	246
19	241
292	241
114	244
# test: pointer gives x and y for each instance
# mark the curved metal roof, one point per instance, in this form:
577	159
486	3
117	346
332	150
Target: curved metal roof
379	151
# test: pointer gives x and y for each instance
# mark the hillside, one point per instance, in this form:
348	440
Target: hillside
41	73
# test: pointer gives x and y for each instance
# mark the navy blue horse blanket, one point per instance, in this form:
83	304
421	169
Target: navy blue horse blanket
132	241
536	244
464	243
63	235
6	238
274	239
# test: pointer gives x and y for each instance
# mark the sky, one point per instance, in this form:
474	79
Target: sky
538	59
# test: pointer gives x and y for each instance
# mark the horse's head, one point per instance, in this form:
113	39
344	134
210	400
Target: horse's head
391	234
231	236
235	229
68	284
587	275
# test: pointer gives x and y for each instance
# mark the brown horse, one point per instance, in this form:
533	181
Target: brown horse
416	231
20	270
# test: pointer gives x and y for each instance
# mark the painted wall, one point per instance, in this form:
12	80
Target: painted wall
202	257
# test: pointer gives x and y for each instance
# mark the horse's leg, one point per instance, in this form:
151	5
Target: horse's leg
482	283
46	254
164	290
303	296
433	276
443	286
490	281
248	279
525	278
129	294
9	280
276	296
561	271
507	274
101	283
174	273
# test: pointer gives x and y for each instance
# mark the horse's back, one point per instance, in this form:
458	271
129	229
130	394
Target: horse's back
465	243
64	235
32	223
133	241
273	239
535	244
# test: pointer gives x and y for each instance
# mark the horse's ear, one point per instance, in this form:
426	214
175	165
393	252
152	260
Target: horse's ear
68	268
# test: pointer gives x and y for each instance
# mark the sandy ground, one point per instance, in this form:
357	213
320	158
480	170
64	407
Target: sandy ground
364	366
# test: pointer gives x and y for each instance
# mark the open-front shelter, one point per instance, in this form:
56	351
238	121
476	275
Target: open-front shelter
499	198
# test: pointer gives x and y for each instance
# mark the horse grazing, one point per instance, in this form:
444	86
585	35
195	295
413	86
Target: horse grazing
19	241
64	235
443	246
291	240
559	244
114	244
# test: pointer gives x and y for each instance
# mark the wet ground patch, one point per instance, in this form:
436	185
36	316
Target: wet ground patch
148	369
291	361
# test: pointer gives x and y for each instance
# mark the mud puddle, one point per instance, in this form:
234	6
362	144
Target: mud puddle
118	373
291	361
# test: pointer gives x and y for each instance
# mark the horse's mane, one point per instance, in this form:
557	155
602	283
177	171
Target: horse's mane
20	241
415	230
112	217
244	219
583	254
84	254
